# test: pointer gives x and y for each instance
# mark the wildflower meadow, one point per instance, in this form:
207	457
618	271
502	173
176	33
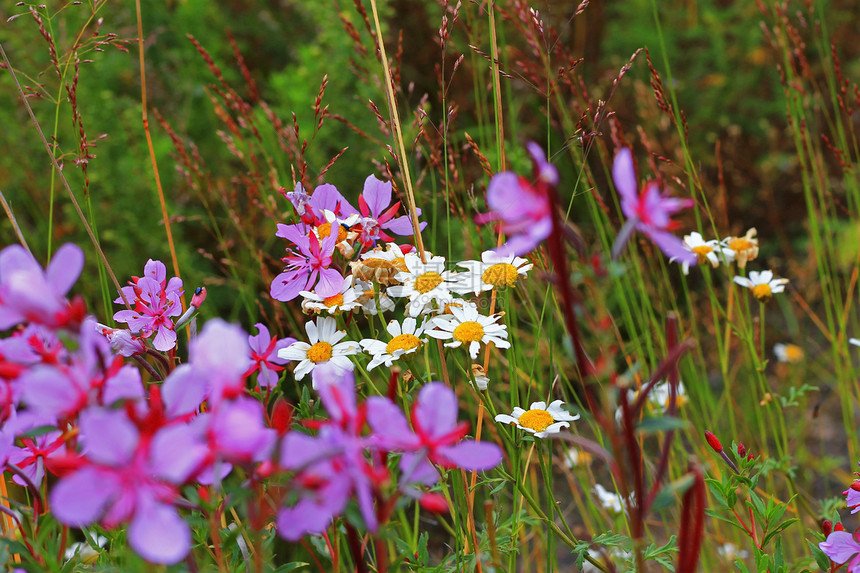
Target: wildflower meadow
429	285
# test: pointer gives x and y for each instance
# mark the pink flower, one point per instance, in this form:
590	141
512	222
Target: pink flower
326	197
378	214
522	206
264	353
840	546
648	211
307	267
154	300
30	294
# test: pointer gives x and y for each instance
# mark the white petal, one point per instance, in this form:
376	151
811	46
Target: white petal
295	351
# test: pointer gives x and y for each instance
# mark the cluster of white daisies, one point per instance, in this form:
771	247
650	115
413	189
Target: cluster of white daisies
740	250
436	307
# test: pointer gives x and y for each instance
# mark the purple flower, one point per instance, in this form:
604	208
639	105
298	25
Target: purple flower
840	546
649	212
378	214
325	197
121	340
117	482
90	375
331	466
264	353
217	362
310	261
34	451
437	437
30	294
523	207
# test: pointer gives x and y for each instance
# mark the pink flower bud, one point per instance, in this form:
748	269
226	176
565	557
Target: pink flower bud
434	503
199	297
742	450
713	442
826	527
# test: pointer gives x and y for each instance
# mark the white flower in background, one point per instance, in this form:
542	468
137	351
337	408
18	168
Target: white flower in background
343	301
611	501
854	341
325	347
424	284
789	352
730	552
467	327
762	284
367	298
744	248
540	419
575	458
713	251
660	395
405	339
492	271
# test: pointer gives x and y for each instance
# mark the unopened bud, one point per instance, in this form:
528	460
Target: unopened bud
434	503
838	527
282	416
826	527
855	485
713	441
199	297
750	458
742	449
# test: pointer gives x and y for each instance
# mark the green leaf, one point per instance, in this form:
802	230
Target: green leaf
286	567
666	496
778	529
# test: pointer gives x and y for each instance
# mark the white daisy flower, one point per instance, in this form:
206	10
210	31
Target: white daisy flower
540	419
762	284
611	501
744	248
325	347
405	339
343	301
790	352
492	271
713	251
466	326
424	283
367	298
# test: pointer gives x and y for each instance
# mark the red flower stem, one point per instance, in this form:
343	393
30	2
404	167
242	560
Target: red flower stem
355	548
310	551
752	526
743	524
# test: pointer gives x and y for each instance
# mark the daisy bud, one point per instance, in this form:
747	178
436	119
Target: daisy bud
434	503
713	442
742	450
826	527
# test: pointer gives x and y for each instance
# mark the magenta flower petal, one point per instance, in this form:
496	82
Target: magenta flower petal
158	534
179	450
287	285
391	431
672	246
327	197
471	455
109	437
377	195
437	409
165	339
239	432
624	176
403	225
183	391
65	268
81	498
840	546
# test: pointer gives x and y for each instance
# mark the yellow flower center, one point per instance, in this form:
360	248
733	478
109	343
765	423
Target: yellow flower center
793	353
319	352
762	292
324	231
399	263
470	331
449	306
500	275
427	282
403	342
537	420
740	244
702	252
334	300
680	400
